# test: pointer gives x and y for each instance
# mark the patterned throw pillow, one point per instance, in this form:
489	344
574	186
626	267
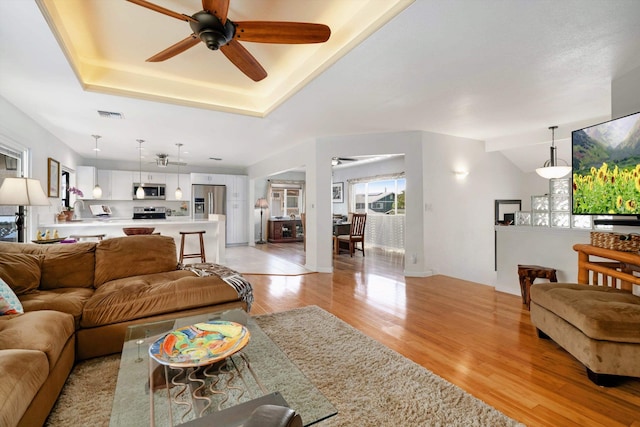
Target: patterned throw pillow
9	302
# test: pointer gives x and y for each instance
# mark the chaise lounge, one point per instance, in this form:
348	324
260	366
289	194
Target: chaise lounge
596	320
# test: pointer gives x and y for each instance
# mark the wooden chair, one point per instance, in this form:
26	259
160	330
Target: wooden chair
356	234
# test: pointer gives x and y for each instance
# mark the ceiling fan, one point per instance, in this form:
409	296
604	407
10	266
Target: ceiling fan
335	161
162	160
216	31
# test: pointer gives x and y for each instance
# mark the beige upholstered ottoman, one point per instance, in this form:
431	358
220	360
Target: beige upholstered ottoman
599	326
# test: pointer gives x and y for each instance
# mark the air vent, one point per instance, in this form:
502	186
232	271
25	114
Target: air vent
215	158
110	115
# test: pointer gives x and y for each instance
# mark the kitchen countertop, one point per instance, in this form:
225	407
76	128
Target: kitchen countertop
123	222
172	226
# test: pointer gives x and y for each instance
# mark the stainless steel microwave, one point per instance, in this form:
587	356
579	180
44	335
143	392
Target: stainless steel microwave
151	191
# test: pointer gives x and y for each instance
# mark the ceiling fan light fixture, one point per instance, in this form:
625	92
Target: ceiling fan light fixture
162	160
212	39
550	169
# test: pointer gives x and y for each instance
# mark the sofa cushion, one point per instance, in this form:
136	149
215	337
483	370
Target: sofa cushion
46	331
66	300
23	372
133	256
153	294
9	302
20	271
68	266
601	313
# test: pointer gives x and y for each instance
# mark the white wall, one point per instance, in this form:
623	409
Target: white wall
20	132
459	217
625	94
450	226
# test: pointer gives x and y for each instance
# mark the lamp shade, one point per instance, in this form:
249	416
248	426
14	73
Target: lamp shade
97	192
22	192
262	203
140	192
549	172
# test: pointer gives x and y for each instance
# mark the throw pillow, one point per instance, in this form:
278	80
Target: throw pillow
20	271
9	302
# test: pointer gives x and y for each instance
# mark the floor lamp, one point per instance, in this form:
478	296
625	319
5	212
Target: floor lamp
22	192
262	204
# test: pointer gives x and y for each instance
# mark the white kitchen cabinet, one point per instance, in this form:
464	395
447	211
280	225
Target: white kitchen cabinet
122	185
152	178
85	181
237	186
104	181
208	179
237	232
185	186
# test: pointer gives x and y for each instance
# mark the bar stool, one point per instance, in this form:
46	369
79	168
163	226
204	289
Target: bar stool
79	237
200	254
527	274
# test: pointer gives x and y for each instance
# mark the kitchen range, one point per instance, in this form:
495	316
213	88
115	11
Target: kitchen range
149	212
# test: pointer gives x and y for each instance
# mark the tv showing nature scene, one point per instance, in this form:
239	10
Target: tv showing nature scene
606	168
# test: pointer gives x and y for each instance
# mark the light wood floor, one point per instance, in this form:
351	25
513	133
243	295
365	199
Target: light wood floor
465	332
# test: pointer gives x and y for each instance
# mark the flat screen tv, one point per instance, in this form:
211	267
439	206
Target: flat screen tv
606	168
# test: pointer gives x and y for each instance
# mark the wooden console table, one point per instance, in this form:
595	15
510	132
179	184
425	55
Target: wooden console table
620	273
285	230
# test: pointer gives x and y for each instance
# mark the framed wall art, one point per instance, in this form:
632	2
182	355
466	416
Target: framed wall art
337	193
53	173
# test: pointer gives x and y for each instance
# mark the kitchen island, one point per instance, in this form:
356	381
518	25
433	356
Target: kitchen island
214	238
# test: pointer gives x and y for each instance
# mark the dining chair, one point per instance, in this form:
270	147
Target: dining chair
356	234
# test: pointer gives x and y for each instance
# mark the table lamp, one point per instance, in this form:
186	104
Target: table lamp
22	192
262	204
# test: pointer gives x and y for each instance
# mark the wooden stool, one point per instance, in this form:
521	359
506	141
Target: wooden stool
200	254
527	274
78	237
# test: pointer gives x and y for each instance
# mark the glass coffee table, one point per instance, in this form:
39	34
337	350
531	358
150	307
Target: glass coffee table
222	394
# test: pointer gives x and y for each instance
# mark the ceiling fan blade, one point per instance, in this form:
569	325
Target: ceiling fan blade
281	32
163	10
220	8
242	59
177	48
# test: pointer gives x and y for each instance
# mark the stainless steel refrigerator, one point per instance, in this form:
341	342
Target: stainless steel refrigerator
208	200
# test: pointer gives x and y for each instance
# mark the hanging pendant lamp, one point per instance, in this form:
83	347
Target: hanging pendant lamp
97	191
140	190
179	190
550	169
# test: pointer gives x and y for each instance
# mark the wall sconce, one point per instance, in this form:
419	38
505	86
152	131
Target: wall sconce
461	174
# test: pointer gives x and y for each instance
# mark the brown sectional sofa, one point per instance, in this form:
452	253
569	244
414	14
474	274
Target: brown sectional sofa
79	300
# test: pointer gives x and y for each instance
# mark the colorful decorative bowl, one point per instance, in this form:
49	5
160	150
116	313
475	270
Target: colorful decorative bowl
200	344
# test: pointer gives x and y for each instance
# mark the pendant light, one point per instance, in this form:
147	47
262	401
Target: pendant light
179	190
97	191
550	169
140	190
